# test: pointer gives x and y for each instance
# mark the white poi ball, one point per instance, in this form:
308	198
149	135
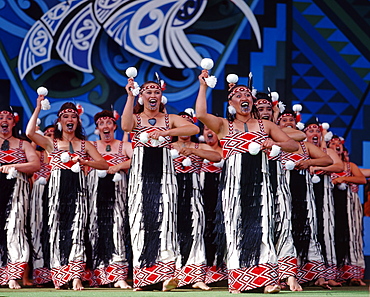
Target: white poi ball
42	91
131	72
206	63
232	78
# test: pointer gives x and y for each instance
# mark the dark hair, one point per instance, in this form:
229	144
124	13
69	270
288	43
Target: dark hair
193	138
140	108
79	132
286	111
24	137
261	95
183	113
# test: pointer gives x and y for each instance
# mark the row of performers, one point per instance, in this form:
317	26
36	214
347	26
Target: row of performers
194	213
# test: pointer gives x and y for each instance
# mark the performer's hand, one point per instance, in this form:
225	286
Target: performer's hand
130	86
202	76
268	143
39	99
186	151
302	164
156	134
339	180
313	169
6	168
113	169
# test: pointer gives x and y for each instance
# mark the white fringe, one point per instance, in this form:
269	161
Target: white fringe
17	244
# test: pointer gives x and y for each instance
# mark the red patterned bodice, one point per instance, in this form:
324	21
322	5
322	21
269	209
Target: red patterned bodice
44	168
13	155
135	135
294	156
196	163
209	167
347	172
114	158
237	142
54	156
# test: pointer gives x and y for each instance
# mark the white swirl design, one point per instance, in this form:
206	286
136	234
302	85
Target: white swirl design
104	8
81	35
38	40
35	50
75	42
151	43
151	30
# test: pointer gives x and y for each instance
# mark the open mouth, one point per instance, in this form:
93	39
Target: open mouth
209	135
106	134
315	140
4	126
69	126
244	106
152	102
265	117
289	126
337	148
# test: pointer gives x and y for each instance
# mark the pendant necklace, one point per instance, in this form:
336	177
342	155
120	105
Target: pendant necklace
184	144
71	150
152	121
5	145
108	148
245	124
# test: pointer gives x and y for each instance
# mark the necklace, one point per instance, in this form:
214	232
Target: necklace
108	148
5	145
245	124
152	121
185	144
71	150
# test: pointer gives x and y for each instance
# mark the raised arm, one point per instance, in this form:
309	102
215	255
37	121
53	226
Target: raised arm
43	141
212	122
128	121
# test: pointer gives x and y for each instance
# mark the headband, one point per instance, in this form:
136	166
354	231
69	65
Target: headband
285	115
7	113
150	86
67	110
238	89
342	141
188	117
314	124
14	115
104	118
262	101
